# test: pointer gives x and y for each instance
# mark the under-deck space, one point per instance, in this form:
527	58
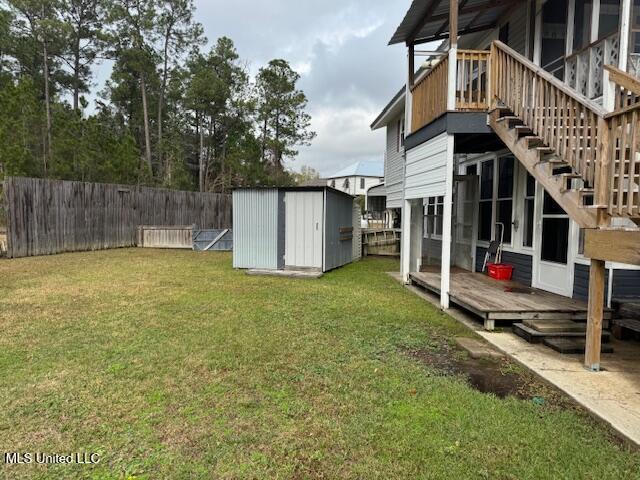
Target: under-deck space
502	300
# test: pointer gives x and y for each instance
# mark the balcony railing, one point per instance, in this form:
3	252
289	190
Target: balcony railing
430	92
584	68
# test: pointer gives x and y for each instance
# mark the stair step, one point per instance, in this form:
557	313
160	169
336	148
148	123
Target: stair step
586	192
553	159
545	149
555	326
532	142
523	130
534	336
572	345
510	118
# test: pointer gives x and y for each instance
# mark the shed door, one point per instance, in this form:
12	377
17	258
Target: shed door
303	229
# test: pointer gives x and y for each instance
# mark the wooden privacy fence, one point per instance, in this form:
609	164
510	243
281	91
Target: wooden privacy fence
53	216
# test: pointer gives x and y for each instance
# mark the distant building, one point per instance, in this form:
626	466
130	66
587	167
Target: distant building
357	178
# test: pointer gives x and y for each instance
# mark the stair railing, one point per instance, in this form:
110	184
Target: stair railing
565	120
624	125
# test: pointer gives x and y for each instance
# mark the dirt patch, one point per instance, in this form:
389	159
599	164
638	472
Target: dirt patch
502	378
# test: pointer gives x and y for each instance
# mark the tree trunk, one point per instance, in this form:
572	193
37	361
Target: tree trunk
162	90
47	150
76	74
145	113
201	162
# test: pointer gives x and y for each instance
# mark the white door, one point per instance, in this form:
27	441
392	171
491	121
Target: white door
303	229
554	252
464	221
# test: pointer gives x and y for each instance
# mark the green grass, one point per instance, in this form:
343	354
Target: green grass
172	365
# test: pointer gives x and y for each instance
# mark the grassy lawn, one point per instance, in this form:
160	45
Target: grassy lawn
172	365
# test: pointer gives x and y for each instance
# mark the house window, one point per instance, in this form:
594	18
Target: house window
504	201
400	142
333	184
434	217
486	201
529	211
362	183
345	185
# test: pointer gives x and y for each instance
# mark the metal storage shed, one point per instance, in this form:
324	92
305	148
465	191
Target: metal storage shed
296	228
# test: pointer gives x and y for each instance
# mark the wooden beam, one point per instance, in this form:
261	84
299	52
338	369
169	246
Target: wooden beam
595	312
446	22
462	31
453	24
411	74
613	245
414	33
475	9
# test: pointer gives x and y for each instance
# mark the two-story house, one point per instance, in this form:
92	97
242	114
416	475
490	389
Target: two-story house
523	127
357	178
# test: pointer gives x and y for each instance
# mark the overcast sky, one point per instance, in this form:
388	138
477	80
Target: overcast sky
340	49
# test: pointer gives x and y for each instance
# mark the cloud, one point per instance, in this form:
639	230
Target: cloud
340	49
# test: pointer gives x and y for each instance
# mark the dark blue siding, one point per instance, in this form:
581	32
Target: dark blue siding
522	264
626	285
581	282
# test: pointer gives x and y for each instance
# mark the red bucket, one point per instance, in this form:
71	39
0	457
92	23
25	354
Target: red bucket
500	271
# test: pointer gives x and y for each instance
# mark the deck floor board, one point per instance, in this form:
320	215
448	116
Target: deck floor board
502	299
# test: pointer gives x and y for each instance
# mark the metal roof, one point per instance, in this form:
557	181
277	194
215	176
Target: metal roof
361	169
426	21
296	189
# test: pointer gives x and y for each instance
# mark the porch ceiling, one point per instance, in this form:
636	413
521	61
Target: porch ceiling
427	21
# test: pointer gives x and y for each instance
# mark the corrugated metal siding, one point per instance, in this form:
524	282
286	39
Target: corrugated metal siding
626	285
426	169
522	264
338	214
255	228
304	226
393	167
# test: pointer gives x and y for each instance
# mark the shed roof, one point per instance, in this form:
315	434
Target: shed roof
361	169
426	21
296	189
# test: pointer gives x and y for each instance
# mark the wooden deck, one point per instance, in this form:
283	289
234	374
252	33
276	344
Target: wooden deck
502	300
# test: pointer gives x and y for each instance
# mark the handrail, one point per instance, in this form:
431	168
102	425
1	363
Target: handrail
597	109
627	90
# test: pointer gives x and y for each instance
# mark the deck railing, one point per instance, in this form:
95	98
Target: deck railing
584	68
472	80
430	92
430	96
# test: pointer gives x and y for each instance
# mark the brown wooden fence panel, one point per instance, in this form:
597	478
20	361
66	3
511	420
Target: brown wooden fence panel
54	216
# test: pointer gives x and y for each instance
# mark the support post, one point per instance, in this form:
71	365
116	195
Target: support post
595	21
537	34
453	55
625	24
405	240
408	97
445	268
596	312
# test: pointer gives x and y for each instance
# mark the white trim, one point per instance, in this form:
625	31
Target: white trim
405	238
571	19
595	21
537	39
445	268
625	25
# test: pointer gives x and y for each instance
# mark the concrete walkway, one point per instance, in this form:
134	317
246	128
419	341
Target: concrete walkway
613	395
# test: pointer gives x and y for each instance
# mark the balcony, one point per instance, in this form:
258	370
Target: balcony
429	94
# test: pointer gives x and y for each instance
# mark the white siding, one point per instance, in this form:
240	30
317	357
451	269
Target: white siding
393	166
426	169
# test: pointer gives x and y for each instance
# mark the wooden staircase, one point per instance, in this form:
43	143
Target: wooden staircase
585	158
